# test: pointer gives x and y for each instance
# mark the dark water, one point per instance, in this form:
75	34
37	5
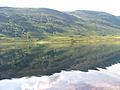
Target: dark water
36	60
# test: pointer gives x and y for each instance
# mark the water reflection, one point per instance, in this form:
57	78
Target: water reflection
104	79
34	60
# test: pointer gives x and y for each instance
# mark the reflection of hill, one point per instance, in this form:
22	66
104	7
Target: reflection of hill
30	60
104	79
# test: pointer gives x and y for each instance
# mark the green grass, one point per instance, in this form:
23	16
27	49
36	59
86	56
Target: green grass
60	39
90	39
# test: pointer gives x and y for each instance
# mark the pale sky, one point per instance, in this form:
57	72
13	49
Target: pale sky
110	6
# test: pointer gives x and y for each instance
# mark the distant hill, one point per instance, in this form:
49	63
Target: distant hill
43	22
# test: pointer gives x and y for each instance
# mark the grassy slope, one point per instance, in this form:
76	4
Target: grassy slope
43	23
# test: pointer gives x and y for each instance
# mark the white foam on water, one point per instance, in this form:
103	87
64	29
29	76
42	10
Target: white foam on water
104	79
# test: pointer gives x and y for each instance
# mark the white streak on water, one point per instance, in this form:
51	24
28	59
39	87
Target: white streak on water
104	79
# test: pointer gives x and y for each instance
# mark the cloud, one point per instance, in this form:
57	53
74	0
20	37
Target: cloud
68	80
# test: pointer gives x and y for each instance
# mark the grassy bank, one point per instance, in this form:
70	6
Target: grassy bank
60	39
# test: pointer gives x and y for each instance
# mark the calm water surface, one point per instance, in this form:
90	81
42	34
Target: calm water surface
79	64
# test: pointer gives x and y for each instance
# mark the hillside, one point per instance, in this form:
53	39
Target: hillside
43	22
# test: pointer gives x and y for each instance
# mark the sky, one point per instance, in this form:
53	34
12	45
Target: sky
110	6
